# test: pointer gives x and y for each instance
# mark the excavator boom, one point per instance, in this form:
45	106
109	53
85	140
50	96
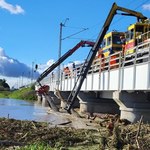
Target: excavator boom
61	59
94	50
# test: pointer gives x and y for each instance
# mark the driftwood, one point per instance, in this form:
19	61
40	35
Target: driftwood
65	123
138	132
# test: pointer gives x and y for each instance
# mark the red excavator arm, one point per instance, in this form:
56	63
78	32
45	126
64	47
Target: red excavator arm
65	56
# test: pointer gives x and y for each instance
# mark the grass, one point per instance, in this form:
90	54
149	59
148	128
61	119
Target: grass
43	146
4	94
27	93
36	146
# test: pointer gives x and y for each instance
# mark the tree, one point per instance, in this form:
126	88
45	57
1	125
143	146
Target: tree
4	85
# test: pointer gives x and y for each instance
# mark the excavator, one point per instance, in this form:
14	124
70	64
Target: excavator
92	53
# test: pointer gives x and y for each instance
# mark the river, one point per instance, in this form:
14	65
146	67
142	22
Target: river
24	110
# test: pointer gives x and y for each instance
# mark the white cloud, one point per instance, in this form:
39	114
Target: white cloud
12	9
10	67
18	74
15	82
43	67
146	7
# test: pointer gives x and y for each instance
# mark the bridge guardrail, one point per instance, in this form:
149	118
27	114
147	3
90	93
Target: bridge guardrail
141	55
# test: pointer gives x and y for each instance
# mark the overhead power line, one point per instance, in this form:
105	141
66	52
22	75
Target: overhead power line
75	33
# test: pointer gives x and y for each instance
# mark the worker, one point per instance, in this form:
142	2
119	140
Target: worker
73	70
102	60
67	72
73	66
123	42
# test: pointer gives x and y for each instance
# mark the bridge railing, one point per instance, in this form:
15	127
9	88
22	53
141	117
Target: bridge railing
115	61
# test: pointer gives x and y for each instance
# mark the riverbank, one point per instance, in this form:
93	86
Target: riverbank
97	133
26	93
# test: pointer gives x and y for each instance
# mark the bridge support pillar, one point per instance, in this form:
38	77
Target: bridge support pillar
44	101
89	102
133	105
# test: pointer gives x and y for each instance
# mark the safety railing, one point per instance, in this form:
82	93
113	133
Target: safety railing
115	61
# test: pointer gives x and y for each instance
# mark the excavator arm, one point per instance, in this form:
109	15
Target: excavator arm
94	50
61	59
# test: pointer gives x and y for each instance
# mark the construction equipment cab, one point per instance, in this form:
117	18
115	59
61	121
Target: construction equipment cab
137	33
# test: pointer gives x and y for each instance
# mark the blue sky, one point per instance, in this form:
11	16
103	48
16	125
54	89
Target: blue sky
29	29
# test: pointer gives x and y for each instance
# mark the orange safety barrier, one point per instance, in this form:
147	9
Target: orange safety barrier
113	62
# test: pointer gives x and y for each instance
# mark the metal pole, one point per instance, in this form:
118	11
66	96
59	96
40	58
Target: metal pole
59	51
32	72
59	54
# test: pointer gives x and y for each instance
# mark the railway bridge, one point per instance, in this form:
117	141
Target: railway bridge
123	87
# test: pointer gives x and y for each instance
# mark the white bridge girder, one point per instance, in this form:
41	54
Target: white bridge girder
130	78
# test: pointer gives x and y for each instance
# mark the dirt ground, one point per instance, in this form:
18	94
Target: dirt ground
97	132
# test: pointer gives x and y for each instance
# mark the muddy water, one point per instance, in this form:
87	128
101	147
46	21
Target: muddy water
24	110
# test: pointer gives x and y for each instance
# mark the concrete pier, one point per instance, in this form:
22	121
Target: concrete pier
91	102
44	101
133	105
39	98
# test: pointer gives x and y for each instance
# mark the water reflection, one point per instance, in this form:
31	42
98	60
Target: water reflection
23	110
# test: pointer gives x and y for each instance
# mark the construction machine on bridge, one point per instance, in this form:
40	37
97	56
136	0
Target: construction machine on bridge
114	10
92	54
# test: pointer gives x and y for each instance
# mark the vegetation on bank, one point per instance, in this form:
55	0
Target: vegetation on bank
26	93
4	94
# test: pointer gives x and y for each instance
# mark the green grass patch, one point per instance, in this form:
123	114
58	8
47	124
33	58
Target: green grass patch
24	93
4	94
36	146
27	93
